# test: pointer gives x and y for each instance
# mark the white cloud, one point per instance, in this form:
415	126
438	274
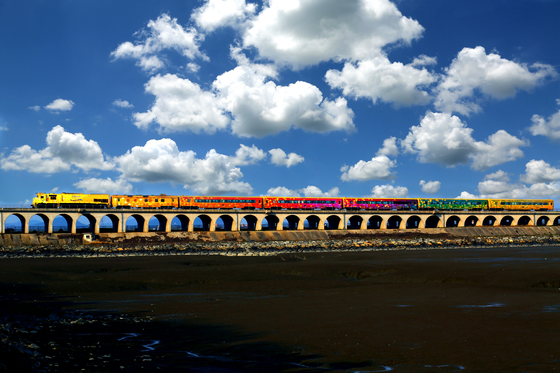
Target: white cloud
181	105
309	191
123	104
467	195
193	67
473	71
313	191
305	32
59	105
64	150
163	33
500	147
380	191
540	172
389	148
498	175
260	107
248	155
109	186
219	13
424	60
430	187
161	161
35	108
550	128
282	192
280	158
443	138
380	80
378	168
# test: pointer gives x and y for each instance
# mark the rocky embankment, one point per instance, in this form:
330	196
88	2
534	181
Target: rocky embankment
271	247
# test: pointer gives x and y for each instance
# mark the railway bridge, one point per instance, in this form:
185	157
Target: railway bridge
29	220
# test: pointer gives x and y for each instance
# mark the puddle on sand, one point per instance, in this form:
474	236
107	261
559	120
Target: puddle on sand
553	308
491	305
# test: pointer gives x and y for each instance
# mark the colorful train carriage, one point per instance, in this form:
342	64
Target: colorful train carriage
303	203
145	202
71	200
380	203
521	204
206	202
452	204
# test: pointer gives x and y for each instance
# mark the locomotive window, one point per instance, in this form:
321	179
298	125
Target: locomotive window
53	196
146	200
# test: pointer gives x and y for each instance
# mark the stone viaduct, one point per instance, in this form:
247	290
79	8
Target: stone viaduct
137	220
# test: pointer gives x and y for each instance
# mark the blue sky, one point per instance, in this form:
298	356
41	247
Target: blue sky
409	98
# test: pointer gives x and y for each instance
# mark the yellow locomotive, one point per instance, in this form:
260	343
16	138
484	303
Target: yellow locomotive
56	200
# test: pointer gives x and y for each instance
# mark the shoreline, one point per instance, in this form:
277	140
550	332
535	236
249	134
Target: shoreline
272	248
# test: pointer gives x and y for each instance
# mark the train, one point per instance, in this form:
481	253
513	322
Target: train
163	201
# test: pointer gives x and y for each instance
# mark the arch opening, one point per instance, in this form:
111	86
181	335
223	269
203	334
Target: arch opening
432	222
452	222
134	223
524	221
290	223
15	223
332	222
506	221
180	223
413	222
394	222
542	221
248	223
355	222
489	221
312	222
375	222
270	223
62	224
556	221
85	224
109	224
224	223
157	223
202	223
471	221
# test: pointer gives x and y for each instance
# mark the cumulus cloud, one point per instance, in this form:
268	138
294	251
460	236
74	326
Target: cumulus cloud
443	138
389	147
219	13
280	158
380	80
538	171
378	168
309	191
35	108
160	161
94	185
181	105
474	72
163	33
549	128
260	107
381	191
64	150
306	32
123	104
430	187
59	105
248	155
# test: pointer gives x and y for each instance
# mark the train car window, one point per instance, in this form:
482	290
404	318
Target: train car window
146	200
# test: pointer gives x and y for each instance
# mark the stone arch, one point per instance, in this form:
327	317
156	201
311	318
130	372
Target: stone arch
312	222
413	222
471	221
140	221
489	221
251	223
394	222
227	221
271	223
161	224
542	221
355	222
69	224
114	223
206	223
292	222
332	222
23	223
375	222
524	220
506	221
90	219
183	223
432	221
452	221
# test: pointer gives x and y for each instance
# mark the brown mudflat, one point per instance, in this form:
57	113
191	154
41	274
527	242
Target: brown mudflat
472	310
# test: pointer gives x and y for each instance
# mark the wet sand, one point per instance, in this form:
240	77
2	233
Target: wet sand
472	310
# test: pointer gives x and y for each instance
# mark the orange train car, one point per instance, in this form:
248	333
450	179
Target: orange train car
206	202
521	204
145	202
303	203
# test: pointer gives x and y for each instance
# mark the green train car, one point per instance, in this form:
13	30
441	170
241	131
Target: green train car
452	204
